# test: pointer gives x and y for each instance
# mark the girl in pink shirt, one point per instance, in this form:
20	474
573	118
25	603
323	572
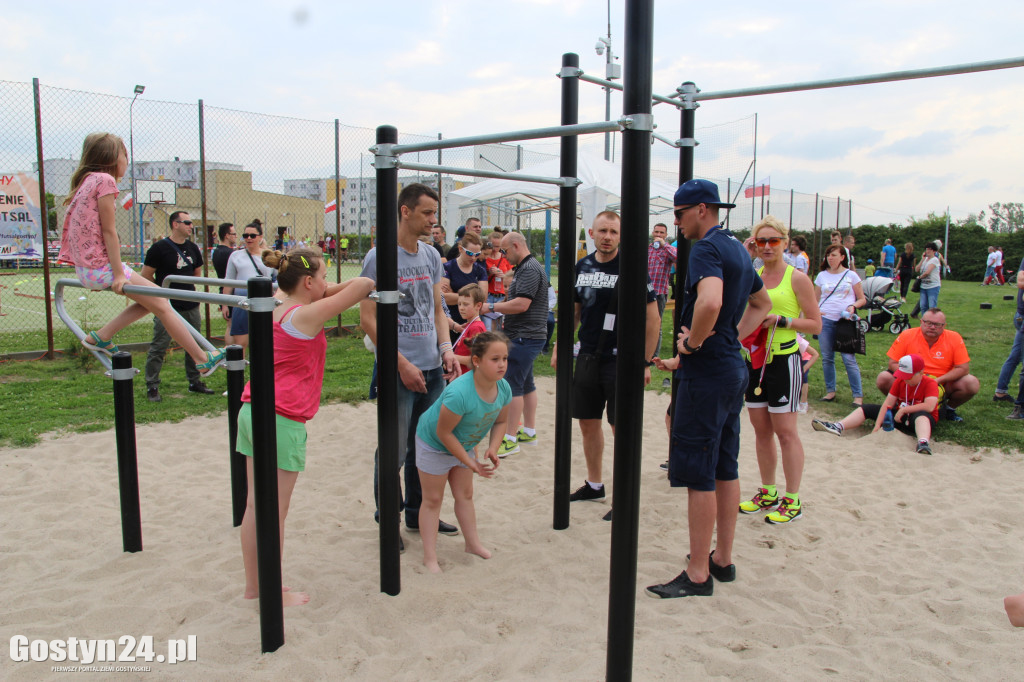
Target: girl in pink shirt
300	349
89	241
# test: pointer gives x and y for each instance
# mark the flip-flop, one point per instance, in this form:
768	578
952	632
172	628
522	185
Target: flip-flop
827	400
92	341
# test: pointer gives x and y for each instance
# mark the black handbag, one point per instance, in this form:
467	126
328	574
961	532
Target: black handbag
849	338
915	286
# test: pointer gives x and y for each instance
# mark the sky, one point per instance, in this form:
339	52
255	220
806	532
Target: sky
468	67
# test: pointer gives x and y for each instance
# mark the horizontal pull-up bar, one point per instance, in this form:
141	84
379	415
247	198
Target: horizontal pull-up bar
185	295
207	281
533	134
618	86
562	182
864	80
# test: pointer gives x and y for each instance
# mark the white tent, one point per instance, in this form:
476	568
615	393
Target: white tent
600	190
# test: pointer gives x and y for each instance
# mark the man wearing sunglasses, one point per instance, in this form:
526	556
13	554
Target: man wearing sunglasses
174	255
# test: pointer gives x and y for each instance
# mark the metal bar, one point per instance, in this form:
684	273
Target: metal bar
567	236
616	86
389	492
202	206
62	313
630	359
184	295
889	77
453	170
205	281
44	218
264	465
127	455
235	368
662	138
531	134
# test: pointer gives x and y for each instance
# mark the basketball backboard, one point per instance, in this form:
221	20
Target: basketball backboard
155	192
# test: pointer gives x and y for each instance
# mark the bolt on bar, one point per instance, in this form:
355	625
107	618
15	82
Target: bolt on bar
489	174
865	80
532	134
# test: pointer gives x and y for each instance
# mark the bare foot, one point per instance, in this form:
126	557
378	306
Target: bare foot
479	550
432	566
294	598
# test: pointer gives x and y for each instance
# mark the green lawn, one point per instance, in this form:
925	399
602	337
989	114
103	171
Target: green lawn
72	394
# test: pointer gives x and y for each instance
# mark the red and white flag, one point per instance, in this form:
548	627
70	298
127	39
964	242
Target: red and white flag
764	189
333	206
127	202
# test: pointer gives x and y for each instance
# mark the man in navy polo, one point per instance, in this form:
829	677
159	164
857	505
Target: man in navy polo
723	302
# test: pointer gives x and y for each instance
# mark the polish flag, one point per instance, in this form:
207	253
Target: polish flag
127	202
757	345
764	189
333	206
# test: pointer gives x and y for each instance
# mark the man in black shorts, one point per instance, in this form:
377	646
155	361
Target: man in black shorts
593	382
724	301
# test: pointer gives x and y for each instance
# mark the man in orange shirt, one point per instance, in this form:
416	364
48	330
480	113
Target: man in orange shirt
945	358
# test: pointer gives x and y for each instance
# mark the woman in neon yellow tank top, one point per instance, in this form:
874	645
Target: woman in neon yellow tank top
773	392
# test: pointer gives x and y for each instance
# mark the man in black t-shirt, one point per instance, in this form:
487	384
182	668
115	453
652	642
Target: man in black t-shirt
228	239
593	382
174	255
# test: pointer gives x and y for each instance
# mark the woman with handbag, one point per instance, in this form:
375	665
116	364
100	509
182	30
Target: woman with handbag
905	267
773	389
839	295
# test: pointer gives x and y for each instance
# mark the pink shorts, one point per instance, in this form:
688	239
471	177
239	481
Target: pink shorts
100	278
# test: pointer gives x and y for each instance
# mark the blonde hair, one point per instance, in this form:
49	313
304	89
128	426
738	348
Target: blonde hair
293	266
99	155
471	238
774	223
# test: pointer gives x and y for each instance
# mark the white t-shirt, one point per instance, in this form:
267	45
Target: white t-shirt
836	292
991	260
999	257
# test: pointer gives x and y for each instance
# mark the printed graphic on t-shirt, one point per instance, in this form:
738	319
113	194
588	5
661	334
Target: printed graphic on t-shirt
416	307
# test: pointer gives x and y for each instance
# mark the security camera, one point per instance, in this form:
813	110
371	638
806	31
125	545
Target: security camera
599	47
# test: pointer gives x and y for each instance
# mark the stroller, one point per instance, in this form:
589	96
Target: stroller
883	309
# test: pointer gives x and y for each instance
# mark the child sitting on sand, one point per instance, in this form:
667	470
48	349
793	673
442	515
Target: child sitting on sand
300	350
89	241
471	299
470	407
918	397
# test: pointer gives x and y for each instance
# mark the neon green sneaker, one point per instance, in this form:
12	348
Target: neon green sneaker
524	439
787	512
507	447
760	502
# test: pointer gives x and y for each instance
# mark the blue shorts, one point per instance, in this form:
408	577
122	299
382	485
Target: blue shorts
239	321
521	354
706	430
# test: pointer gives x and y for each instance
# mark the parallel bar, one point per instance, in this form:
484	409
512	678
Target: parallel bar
69	322
235	367
567	235
617	86
889	77
44	222
632	315
454	170
127	455
202	281
183	295
389	492
532	134
264	466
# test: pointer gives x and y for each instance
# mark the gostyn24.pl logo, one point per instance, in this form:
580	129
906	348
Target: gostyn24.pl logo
126	649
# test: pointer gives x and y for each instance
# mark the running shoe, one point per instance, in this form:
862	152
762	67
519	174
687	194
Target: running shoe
1017	413
507	447
924	448
682	586
835	428
787	512
761	501
585	492
523	439
214	359
92	341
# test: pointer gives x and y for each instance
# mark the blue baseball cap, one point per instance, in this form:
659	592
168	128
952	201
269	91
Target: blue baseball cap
699	192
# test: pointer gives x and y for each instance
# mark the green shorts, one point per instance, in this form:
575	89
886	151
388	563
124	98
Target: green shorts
291	440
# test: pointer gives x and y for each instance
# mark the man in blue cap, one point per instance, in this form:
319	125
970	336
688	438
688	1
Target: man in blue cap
724	301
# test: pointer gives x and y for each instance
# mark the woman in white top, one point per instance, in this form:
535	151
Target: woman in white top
839	295
930	268
245	264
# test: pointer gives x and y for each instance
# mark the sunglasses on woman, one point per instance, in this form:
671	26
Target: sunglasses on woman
768	241
250	235
471	254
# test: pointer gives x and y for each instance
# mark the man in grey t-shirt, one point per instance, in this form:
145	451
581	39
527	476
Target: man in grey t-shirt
526	325
425	357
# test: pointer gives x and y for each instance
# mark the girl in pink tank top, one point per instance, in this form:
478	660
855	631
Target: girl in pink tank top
300	349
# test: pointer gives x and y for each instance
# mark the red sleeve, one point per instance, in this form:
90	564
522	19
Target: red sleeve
931	388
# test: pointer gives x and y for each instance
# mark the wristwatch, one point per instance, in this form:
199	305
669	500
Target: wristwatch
690	348
651	363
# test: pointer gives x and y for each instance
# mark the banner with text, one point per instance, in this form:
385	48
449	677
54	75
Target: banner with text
21	233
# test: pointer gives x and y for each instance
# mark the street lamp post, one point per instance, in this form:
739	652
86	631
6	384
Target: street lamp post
139	89
612	71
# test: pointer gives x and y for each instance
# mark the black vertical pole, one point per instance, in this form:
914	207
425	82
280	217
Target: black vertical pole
264	461
44	222
235	367
127	457
389	492
567	235
632	317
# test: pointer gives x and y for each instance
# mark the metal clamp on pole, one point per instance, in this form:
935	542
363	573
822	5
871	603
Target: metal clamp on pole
261	305
570	72
384	155
641	122
387	297
127	456
688	94
686	142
